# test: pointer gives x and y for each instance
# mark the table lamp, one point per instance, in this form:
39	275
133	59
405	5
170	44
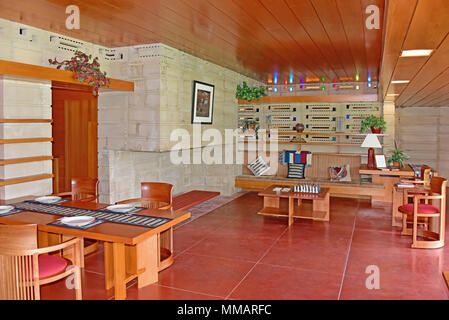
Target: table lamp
371	142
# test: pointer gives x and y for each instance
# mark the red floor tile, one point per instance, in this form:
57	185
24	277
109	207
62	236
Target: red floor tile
354	288
308	255
413	267
267	282
95	262
156	292
236	247
203	274
93	287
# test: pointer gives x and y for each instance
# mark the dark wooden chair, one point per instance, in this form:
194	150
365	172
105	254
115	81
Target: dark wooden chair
422	210
157	195
25	267
83	189
86	190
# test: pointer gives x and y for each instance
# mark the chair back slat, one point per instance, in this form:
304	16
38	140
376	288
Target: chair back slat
438	186
84	187
17	271
156	194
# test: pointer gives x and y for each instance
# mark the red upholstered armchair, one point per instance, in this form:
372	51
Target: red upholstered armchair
431	204
24	267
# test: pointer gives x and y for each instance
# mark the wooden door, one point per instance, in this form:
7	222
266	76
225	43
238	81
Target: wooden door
75	134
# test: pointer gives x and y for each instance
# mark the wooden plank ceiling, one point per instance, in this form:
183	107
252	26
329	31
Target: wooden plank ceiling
412	25
310	39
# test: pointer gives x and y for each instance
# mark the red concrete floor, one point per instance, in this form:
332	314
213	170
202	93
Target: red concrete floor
233	253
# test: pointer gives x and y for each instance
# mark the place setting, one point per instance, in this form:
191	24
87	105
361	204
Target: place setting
8	210
123	208
79	222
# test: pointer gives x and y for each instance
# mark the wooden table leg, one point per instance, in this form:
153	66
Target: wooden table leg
147	259
108	265
119	266
322	206
291	210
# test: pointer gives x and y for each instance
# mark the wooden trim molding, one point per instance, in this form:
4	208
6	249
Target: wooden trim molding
37	72
317	99
26	120
25	160
30	140
7	182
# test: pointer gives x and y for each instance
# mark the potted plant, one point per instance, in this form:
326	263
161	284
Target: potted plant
249	125
397	158
376	124
86	72
246	93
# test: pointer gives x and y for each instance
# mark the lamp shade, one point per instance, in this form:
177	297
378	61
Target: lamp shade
371	141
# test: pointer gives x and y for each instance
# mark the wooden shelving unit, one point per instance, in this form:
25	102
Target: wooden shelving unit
26	120
25	160
27	140
334	144
3	162
7	182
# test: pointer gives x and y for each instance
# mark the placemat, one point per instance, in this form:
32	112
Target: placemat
14	211
106	215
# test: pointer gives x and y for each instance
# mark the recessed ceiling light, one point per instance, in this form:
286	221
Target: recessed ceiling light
392	94
400	81
416	53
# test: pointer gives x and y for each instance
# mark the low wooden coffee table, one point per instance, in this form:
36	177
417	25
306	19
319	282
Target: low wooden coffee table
317	208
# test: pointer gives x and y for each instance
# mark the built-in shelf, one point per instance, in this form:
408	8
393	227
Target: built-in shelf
26	120
28	140
7	182
314	99
37	72
283	133
25	160
337	144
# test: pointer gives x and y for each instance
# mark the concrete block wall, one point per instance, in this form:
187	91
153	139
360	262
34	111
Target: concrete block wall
25	99
178	71
135	128
423	132
26	44
126	170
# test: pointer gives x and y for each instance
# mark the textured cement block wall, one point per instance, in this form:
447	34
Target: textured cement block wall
135	127
23	100
423	133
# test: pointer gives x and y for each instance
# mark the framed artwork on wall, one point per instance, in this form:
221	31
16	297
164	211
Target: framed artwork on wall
203	102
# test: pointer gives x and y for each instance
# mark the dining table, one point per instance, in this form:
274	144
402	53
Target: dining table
130	251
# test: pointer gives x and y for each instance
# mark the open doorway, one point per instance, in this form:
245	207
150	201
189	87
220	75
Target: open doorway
75	134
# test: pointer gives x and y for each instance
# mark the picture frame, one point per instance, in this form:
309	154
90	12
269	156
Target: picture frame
381	161
202	103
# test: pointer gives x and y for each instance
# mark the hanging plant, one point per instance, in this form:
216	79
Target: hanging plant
88	73
246	93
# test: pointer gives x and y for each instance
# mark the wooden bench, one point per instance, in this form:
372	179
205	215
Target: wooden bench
317	173
192	198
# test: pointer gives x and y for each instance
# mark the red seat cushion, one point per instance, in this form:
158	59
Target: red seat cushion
422	208
51	265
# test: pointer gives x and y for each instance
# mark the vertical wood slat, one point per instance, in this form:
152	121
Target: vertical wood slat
17	278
